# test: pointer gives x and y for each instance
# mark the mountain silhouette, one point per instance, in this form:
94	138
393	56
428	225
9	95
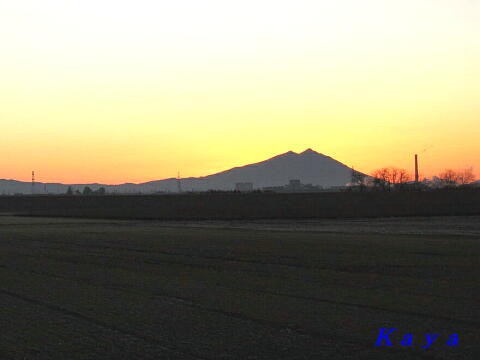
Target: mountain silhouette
309	166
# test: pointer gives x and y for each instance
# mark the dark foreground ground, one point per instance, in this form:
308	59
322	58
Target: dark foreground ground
249	206
88	289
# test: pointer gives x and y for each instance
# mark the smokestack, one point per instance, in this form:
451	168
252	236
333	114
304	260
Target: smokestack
416	168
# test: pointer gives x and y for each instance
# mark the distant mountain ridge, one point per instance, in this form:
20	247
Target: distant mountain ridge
309	166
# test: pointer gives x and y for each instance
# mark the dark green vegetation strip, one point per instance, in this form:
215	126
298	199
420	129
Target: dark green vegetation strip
227	206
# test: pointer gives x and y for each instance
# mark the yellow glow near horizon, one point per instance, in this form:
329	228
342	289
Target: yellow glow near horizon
130	91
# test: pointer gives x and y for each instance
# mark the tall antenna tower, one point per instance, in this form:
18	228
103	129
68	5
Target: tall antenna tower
416	168
179	184
33	182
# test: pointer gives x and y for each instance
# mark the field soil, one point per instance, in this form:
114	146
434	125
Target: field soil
111	289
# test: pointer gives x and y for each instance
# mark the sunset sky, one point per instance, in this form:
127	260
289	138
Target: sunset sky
119	91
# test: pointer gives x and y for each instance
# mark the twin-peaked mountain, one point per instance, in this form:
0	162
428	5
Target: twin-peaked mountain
310	167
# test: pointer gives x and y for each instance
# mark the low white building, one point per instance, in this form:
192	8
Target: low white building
244	186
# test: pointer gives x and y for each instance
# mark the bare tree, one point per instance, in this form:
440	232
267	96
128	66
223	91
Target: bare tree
403	176
460	177
358	178
382	178
391	176
465	176
448	177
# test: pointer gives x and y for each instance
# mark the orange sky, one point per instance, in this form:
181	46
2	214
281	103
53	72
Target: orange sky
131	91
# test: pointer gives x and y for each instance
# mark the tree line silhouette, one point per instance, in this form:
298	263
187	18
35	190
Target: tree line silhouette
384	179
389	178
86	191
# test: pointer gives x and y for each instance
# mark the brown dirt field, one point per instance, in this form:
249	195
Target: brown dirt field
100	289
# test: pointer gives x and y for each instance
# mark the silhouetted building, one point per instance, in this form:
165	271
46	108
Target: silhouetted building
244	186
294	185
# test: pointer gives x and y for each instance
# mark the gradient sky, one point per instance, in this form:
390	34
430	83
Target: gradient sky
128	91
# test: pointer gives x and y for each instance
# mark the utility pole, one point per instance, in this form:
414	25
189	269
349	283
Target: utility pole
179	184
33	182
